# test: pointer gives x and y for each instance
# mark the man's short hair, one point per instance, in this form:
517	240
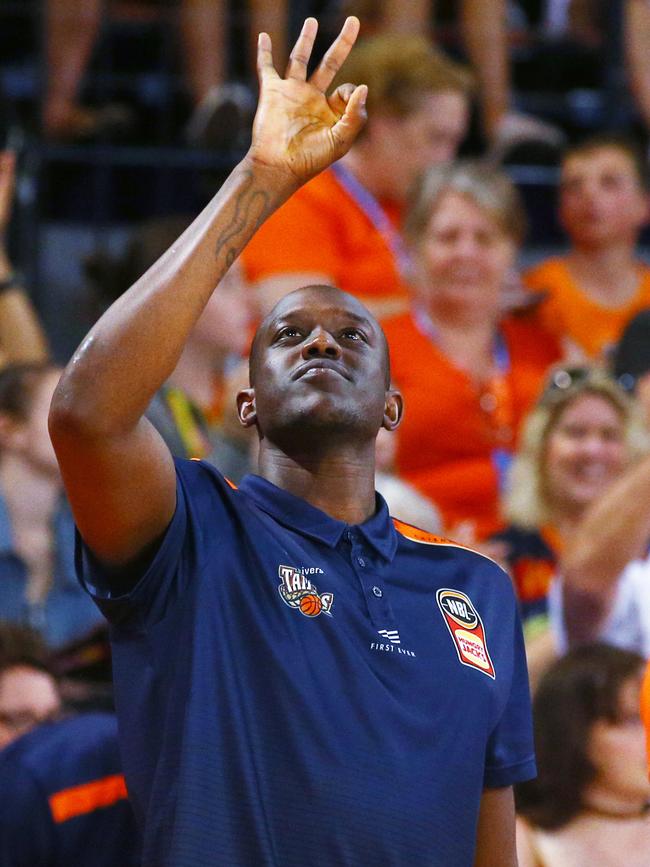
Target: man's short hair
618	141
399	70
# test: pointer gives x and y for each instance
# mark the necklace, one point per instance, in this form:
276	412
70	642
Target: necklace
613	814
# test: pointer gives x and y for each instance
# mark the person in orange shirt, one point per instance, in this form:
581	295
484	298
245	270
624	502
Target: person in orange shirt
468	373
599	284
342	228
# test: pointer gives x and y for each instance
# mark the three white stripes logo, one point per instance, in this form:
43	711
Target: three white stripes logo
391	635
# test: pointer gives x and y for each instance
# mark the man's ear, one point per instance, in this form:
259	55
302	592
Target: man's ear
246	407
393	409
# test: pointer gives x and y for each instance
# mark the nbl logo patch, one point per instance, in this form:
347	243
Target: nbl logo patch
297	591
466	629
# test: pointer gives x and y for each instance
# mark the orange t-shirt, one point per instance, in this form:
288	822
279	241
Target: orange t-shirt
446	442
321	229
571	315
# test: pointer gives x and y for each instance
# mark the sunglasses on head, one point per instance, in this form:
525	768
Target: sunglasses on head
563	380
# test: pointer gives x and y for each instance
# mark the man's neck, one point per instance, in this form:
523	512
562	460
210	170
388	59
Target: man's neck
341	483
610	275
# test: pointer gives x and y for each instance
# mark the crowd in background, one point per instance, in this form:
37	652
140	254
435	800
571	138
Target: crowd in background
527	390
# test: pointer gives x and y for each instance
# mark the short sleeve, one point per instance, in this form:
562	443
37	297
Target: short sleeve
200	491
510	755
26	830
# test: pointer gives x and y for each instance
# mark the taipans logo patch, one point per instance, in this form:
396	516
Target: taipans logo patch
297	591
466	628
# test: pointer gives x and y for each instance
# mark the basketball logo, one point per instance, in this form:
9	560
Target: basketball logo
310	605
297	591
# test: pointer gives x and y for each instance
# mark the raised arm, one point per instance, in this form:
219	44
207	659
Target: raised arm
117	472
615	530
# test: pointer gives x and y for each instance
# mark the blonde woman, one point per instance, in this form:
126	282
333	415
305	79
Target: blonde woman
579	438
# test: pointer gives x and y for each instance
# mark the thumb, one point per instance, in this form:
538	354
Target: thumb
354	117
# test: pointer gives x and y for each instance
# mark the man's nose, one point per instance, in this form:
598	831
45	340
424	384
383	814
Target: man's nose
321	342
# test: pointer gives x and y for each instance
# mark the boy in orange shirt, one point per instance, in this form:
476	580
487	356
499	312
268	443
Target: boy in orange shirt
600	283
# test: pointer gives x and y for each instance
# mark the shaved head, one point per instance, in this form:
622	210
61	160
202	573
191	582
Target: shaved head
292	301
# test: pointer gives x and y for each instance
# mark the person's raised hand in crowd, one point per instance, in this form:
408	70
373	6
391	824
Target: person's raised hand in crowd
297	126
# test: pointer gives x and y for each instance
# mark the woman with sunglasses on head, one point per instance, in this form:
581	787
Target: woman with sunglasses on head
468	372
580	437
590	803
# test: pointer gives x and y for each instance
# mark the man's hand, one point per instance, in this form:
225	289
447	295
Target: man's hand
297	128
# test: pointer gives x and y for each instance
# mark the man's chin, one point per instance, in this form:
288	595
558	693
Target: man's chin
317	419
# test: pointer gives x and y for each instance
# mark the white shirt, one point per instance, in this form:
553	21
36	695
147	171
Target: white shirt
627	624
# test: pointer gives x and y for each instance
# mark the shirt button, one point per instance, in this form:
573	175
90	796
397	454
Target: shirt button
361	561
377	591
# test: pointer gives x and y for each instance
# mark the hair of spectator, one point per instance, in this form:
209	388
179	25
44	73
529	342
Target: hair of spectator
579	689
526	501
18	383
618	141
22	646
399	70
489	189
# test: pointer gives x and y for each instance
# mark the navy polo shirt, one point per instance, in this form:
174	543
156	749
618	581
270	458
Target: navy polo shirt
63	800
292	690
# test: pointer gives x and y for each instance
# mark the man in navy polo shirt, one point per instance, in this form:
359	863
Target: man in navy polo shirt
299	679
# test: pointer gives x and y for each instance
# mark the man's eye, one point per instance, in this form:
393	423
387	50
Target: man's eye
288	331
353	334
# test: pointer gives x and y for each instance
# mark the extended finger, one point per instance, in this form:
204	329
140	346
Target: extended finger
336	54
301	52
265	67
348	127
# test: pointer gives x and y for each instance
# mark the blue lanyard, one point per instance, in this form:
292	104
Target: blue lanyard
500	353
377	216
501	456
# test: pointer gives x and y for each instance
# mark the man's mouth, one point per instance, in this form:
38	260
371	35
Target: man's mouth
320	367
